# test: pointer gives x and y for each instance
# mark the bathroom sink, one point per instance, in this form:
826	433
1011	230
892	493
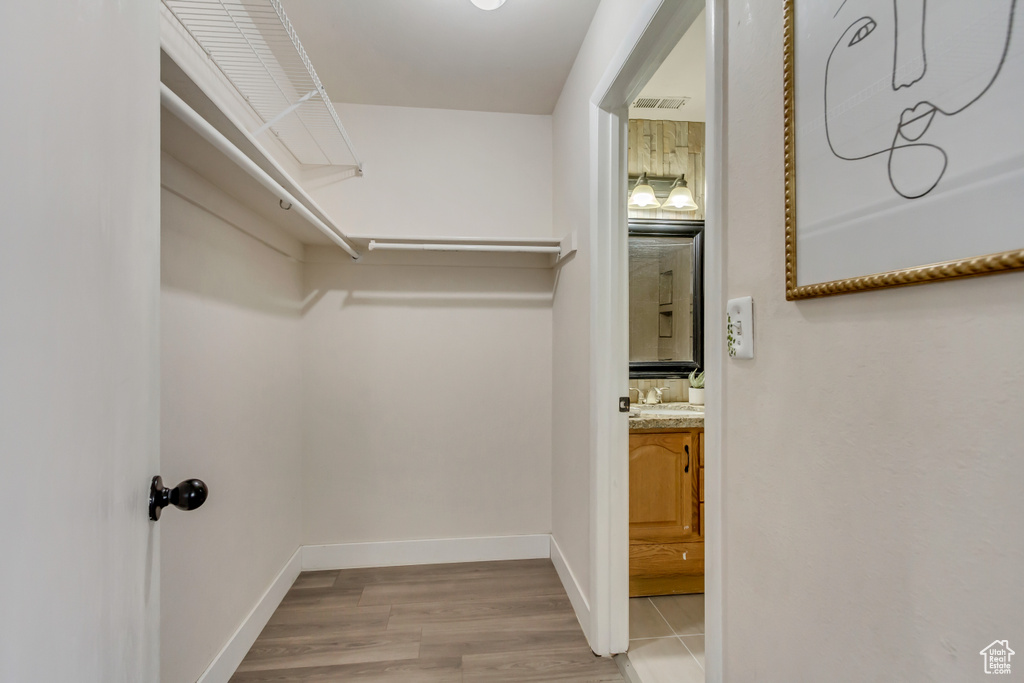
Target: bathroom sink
670	410
663	412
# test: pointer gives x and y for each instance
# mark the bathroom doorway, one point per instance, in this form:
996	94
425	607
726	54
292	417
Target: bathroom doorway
650	47
666	209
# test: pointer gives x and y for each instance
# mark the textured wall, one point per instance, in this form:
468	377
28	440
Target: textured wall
442	172
668	148
571	482
428	401
428	387
873	517
230	407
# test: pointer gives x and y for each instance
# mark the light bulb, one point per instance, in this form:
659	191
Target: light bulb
643	199
488	4
642	196
680	198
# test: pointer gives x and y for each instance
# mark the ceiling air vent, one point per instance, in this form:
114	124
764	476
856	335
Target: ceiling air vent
660	102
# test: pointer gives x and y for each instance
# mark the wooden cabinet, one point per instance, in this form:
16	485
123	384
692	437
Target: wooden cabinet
666	545
700	457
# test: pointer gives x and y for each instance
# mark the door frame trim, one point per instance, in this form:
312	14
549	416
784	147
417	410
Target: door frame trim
659	26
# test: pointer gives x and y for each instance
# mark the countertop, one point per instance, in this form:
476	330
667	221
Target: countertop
666	416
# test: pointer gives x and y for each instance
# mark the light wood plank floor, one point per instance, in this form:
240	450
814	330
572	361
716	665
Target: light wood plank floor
481	622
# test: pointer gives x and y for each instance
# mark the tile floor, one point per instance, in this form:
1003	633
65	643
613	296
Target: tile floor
666	638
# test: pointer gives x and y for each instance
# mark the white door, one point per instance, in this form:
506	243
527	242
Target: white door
79	297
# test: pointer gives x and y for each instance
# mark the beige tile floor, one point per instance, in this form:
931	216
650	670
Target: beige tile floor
666	638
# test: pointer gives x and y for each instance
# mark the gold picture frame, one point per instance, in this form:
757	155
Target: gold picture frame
1000	262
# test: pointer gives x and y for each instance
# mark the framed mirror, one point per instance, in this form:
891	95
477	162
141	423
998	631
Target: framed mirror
666	297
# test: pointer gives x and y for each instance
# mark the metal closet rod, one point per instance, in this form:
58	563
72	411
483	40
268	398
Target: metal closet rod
193	120
411	246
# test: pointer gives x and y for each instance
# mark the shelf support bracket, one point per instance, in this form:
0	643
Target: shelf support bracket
289	110
566	248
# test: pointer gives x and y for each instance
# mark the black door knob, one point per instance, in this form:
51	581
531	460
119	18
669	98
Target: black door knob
188	495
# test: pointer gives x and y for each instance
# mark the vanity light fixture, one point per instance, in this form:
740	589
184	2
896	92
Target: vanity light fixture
488	4
642	196
680	198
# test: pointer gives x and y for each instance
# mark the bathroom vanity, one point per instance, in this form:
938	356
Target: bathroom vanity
666	500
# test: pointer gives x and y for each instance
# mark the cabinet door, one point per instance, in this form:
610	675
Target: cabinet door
700	450
663	494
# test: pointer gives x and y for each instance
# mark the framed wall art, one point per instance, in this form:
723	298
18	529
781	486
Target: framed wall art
904	142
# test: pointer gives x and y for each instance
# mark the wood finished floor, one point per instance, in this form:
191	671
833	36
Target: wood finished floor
481	622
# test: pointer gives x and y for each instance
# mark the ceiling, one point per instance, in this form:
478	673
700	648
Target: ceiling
444	54
681	74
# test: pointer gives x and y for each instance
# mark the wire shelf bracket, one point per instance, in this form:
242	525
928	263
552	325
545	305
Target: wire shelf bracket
256	47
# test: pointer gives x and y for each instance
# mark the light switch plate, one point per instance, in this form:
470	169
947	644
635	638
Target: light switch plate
739	327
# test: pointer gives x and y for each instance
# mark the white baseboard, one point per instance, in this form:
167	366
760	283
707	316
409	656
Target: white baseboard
572	588
227	660
430	551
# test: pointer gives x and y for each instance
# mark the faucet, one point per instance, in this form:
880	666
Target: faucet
654	395
639	394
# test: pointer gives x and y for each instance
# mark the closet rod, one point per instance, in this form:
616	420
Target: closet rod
177	106
406	246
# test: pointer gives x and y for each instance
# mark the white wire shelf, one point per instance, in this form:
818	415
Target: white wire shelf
254	44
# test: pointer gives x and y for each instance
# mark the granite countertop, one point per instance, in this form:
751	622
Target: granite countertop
666	416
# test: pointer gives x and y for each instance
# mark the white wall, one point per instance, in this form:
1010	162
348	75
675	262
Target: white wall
374	402
873	514
571	466
442	172
428	401
428	388
682	73
79	380
231	416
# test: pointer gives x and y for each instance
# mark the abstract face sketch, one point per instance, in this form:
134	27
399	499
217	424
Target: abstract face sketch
897	66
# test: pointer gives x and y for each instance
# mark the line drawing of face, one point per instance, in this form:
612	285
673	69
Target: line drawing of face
900	63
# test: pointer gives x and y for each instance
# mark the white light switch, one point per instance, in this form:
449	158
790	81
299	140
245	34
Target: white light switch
739	327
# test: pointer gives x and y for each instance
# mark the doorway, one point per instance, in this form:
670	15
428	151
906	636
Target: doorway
666	167
652	39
